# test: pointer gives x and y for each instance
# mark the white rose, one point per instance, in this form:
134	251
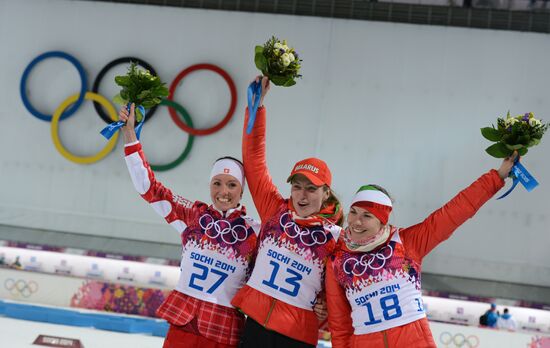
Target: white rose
534	122
278	45
509	121
285	59
291	56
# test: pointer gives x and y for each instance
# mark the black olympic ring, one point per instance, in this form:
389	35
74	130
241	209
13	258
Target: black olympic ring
21	287
109	66
458	340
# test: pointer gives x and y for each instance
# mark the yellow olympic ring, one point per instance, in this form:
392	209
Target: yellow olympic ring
55	129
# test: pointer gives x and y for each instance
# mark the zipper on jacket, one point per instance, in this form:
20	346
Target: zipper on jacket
385	339
270	310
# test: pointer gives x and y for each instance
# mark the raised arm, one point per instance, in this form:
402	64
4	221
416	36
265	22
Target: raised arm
265	194
440	225
174	209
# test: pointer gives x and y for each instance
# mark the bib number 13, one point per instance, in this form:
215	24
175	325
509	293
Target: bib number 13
292	280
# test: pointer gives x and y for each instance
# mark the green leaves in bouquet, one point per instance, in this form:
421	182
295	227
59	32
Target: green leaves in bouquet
284	81
141	88
491	134
499	150
514	134
260	60
278	62
117	99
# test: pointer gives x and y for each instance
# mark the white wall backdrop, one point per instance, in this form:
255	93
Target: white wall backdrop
394	104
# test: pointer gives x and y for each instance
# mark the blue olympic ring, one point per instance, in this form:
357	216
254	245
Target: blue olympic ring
23	86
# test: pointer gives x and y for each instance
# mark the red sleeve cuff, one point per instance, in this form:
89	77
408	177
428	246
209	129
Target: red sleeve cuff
131	148
498	180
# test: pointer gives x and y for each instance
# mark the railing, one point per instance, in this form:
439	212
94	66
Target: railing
518	15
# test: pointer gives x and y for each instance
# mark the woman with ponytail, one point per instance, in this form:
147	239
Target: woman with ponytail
297	237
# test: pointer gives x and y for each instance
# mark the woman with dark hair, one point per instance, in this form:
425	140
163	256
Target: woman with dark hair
219	247
298	235
373	280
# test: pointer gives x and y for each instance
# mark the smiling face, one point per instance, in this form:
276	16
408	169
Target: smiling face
306	197
362	224
225	191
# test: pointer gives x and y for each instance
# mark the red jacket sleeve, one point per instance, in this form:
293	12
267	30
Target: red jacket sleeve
173	208
339	311
264	193
420	239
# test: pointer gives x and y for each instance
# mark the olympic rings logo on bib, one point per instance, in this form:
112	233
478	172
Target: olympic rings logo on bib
222	228
21	287
107	112
374	261
307	237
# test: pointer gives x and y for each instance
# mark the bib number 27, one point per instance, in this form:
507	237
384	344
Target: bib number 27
201	275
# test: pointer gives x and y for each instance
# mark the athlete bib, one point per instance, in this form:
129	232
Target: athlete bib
215	259
382	287
291	260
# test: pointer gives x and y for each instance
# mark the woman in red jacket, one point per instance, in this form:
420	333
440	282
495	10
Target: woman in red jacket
373	279
296	239
218	249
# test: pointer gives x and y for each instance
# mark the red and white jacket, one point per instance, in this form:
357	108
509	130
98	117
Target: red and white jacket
218	254
290	266
374	298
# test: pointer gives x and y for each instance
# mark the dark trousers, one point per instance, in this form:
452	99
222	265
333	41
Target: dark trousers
257	336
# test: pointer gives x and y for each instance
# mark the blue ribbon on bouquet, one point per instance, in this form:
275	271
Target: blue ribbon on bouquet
254	90
520	174
114	127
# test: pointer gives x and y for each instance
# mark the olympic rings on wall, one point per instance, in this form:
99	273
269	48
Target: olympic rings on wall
20	287
232	106
55	129
101	74
107	112
458	340
180	110
25	77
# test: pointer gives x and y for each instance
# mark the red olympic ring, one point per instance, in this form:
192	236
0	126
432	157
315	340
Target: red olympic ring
232	106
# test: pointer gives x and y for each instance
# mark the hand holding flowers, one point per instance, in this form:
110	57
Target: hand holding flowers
514	133
513	137
279	62
140	88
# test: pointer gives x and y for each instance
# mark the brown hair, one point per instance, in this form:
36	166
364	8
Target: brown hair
333	199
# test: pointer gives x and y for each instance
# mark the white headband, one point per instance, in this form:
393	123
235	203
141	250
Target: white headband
372	196
230	167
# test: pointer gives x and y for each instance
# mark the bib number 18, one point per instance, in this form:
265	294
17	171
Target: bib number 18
390	309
